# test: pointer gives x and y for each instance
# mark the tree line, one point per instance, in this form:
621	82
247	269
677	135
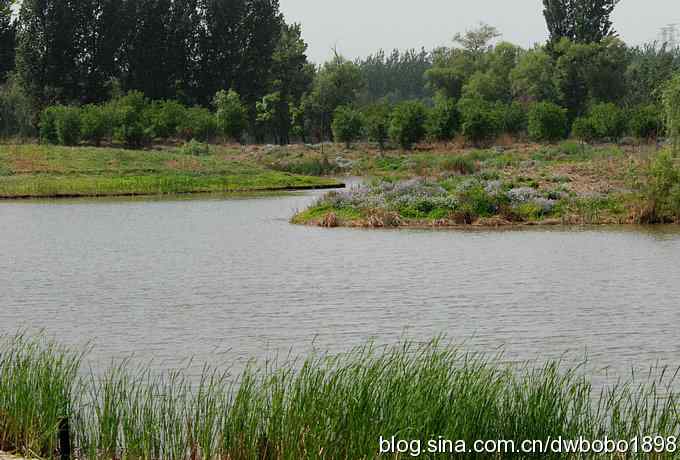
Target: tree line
128	63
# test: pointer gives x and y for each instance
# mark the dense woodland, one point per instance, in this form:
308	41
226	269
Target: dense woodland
135	71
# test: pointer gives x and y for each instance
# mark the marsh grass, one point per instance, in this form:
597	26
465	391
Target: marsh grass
321	406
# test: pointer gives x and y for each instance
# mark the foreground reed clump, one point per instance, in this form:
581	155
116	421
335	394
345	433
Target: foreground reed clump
319	407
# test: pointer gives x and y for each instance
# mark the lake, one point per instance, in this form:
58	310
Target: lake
224	279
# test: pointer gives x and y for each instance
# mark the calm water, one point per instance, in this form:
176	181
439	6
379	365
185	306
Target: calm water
225	279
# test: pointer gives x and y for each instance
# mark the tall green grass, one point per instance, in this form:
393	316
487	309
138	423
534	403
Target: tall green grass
321	406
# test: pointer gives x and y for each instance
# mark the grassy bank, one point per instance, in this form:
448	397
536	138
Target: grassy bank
568	183
318	407
31	170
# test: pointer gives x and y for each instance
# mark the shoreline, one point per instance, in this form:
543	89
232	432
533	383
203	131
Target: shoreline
291	188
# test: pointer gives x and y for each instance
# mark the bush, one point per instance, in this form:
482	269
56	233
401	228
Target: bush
607	120
547	122
48	125
131	119
95	123
378	124
662	191
68	125
645	122
514	118
195	148
481	121
165	117
348	125
583	129
407	126
444	119
459	164
198	123
231	114
671	104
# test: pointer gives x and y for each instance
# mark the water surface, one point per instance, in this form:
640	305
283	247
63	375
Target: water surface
229	278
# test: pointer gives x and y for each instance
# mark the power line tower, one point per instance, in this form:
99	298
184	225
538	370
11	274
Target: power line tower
670	36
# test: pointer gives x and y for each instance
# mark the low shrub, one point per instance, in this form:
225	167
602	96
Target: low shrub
547	122
130	115
661	191
195	148
230	113
377	119
459	164
481	122
198	123
608	121
444	119
48	125
407	125
646	122
165	117
96	123
348	125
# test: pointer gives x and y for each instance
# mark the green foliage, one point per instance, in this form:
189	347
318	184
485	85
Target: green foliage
397	76
337	83
198	123
444	119
195	148
231	114
671	104
410	388
585	21
348	124
662	191
459	164
547	122
593	72
646	122
514	118
378	123
67	124
165	117
7	39
48	125
608	120
130	115
481	121
96	123
407	125
584	129
532	80
16	110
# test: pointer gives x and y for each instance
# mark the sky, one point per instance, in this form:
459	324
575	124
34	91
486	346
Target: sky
360	27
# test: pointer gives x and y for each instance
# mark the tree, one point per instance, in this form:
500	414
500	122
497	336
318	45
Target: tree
587	73
7	39
444	119
378	123
671	104
477	41
48	58
291	76
230	113
581	21
481	121
398	76
547	122
337	83
532	80
407	126
348	125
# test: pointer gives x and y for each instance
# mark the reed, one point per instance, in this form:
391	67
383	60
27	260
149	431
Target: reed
320	406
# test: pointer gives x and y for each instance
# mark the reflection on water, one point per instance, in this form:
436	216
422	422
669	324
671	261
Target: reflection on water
225	278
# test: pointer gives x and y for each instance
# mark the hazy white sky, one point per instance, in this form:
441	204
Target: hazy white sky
360	27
